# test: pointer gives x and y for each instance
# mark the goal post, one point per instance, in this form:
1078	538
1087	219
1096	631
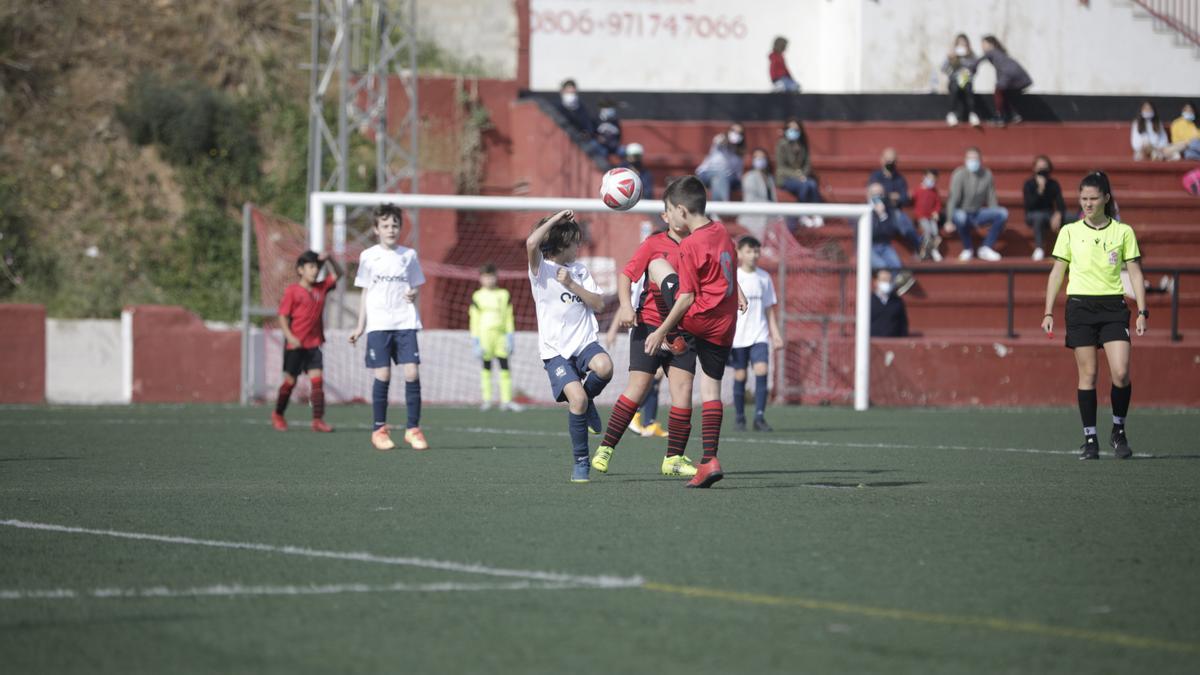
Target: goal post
816	363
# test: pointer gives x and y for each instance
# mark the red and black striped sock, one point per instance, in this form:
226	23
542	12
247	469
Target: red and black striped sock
710	425
679	428
317	397
285	393
618	421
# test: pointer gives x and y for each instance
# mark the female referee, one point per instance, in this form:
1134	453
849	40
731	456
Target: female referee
1094	249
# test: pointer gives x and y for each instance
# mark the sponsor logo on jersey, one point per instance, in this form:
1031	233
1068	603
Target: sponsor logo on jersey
569	297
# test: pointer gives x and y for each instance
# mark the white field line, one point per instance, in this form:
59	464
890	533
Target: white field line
806	443
238	590
596	581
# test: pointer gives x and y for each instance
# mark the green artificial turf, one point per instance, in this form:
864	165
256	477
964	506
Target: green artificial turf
893	541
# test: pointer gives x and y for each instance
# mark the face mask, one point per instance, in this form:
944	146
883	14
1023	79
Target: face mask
1147	115
972	165
876	199
1043	172
792	134
760	163
961	51
570	99
1191	117
607	113
929	182
884	287
735	138
890	166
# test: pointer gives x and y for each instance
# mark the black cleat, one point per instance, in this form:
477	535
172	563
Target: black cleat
739	425
1089	450
760	424
1120	444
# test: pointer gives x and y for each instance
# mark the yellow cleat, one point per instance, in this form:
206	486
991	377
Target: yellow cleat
654	430
381	439
415	438
600	461
635	424
679	466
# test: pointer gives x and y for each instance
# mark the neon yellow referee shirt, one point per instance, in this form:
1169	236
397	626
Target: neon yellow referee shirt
1095	256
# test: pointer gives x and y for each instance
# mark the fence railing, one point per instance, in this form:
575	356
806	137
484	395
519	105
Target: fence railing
1182	16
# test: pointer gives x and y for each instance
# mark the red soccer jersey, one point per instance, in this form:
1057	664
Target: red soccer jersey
658	245
707	264
304	306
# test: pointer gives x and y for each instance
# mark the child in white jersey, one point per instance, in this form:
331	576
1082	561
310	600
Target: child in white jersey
755	327
389	275
567	299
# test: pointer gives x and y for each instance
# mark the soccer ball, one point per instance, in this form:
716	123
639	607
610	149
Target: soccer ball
621	189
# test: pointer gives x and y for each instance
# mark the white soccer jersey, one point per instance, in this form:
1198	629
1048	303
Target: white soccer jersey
387	275
565	324
760	295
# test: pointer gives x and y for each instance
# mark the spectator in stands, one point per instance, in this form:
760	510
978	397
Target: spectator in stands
758	185
927	208
888	316
960	67
895	189
973	203
721	170
1011	80
793	170
608	127
884	228
1185	136
781	77
1147	135
576	114
634	160
1044	205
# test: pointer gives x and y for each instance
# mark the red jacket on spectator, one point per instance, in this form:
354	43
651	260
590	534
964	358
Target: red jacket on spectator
778	67
926	202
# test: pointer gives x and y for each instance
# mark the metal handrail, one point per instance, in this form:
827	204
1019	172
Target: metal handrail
1011	271
1182	17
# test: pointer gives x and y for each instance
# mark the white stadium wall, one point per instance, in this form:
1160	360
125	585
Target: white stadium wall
1107	47
85	361
482	33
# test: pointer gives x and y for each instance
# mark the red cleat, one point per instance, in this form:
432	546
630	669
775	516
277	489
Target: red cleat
278	422
321	426
706	474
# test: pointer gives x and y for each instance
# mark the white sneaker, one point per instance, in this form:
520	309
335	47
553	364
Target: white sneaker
1038	254
952	119
935	255
486	405
967	254
974	119
818	221
988	253
806	221
513	406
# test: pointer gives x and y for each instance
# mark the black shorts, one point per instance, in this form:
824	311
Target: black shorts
640	362
296	361
1093	320
712	357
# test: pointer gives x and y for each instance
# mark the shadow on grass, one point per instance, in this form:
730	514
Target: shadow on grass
830	485
841	471
38	459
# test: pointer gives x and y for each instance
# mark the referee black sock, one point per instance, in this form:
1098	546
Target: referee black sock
1120	404
1087	412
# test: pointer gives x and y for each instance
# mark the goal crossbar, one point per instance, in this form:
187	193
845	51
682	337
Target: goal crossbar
320	201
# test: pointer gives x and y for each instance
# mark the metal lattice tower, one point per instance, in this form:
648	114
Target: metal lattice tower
358	46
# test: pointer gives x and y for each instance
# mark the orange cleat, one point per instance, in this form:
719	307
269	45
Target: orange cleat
321	426
415	438
706	474
381	439
278	422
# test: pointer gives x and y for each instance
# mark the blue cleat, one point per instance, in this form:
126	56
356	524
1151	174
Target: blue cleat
580	473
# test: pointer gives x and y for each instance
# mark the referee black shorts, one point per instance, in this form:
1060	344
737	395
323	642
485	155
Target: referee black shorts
1093	320
640	362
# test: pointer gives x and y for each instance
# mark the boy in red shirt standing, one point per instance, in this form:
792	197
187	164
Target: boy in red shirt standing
927	204
300	319
705	306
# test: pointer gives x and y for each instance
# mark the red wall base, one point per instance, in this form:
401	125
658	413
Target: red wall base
22	354
177	359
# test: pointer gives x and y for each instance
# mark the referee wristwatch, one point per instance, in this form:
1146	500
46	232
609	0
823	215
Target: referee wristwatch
1144	312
